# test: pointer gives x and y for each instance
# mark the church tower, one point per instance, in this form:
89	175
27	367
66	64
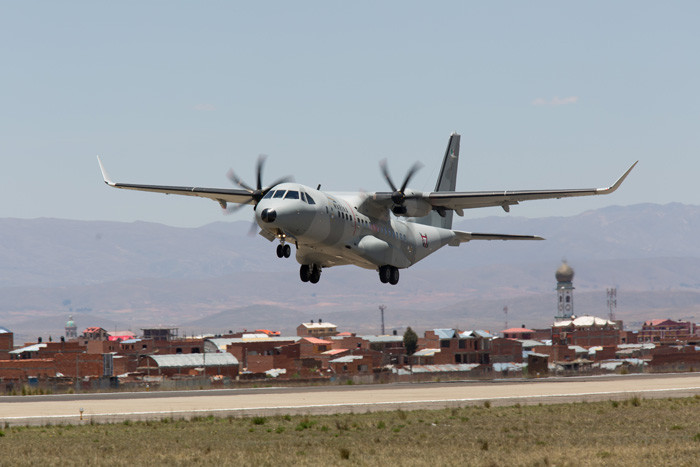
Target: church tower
71	329
565	292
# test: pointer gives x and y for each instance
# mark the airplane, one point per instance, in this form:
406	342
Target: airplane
333	229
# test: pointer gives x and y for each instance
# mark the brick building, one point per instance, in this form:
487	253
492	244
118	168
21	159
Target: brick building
666	331
456	346
209	364
319	329
7	343
587	331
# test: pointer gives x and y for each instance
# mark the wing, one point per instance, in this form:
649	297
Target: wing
458	201
479	199
220	195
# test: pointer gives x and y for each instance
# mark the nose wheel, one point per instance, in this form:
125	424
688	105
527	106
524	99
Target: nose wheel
389	274
284	251
310	273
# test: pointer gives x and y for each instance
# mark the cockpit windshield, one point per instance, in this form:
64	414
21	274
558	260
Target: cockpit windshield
291	194
279	193
269	194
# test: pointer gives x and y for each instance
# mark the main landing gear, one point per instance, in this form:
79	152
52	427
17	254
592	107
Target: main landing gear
283	250
310	273
389	274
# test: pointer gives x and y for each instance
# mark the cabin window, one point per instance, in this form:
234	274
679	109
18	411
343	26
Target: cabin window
279	194
291	194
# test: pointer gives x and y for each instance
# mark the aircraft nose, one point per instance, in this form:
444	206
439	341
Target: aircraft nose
268	215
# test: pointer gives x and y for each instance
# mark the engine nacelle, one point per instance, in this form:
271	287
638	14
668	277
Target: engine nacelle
415	207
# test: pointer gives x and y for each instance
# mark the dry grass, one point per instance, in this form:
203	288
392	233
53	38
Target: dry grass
632	432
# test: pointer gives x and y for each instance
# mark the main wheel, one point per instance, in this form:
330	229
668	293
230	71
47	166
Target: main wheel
315	275
286	251
280	253
304	273
393	275
384	274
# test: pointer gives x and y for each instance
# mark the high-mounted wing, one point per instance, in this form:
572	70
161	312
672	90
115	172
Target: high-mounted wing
479	199
458	201
220	195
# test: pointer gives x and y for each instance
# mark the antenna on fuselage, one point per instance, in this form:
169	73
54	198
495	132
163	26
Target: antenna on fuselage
318	187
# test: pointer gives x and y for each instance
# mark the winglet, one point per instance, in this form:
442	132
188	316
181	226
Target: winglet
105	175
607	191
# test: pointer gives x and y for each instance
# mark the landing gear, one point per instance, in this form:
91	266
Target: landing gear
394	276
284	250
310	273
389	274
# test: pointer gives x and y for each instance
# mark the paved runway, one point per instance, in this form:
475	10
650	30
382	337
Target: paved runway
101	408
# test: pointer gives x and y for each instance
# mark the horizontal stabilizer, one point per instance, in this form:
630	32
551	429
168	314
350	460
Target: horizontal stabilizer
463	237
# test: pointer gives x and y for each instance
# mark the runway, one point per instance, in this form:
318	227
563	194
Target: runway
116	407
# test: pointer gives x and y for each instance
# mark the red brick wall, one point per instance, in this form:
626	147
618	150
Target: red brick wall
21	369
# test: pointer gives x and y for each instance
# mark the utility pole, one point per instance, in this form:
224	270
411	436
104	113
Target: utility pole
505	312
381	309
612	303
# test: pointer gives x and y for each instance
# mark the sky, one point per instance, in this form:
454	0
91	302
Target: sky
545	95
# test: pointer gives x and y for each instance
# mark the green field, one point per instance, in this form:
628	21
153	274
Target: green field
631	432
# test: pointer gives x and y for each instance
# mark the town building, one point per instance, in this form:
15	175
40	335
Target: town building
319	329
666	331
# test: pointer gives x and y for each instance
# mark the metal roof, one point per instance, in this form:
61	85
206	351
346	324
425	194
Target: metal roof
346	359
444	333
477	333
437	368
380	339
222	342
584	321
426	353
194	359
29	348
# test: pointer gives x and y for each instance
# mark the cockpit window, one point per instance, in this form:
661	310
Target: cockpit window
291	194
269	194
302	195
309	199
279	193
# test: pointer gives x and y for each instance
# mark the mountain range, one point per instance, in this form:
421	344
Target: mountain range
217	278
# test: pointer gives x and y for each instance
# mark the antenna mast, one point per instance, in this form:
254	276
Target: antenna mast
612	303
505	312
381	310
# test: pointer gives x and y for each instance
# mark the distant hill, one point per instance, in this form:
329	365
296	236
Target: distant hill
216	277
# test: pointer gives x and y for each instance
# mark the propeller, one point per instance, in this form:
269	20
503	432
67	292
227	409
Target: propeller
257	193
399	194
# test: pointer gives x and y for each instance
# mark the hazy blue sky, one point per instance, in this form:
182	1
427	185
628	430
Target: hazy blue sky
544	94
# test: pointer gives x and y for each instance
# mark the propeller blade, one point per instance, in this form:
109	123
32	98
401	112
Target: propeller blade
253	228
387	177
238	181
411	172
286	179
231	209
258	170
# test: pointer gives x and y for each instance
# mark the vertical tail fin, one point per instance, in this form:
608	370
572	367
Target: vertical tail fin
447	181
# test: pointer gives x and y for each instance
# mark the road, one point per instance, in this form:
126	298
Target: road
115	407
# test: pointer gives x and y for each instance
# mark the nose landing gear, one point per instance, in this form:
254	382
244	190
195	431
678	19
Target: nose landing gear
283	250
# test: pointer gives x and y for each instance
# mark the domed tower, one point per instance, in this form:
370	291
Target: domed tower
71	329
565	292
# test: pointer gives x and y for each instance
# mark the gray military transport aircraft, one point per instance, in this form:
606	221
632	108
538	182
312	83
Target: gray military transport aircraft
334	229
